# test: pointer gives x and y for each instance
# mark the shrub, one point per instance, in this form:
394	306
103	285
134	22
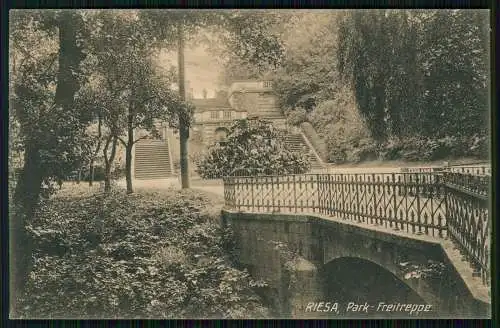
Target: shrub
252	147
345	132
296	116
428	149
144	256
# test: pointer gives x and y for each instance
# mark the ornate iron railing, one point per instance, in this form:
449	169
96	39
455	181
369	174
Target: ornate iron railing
468	221
478	169
441	204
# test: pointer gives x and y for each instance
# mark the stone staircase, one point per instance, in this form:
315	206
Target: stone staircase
152	160
296	142
267	106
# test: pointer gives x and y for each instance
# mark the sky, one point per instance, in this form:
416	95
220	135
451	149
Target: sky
202	69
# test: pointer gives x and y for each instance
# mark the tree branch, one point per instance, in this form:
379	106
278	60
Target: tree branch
122	141
138	139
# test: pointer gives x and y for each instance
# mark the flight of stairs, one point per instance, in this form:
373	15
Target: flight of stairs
296	143
268	107
152	160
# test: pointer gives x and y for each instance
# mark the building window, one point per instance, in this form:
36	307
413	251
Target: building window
214	115
227	115
268	84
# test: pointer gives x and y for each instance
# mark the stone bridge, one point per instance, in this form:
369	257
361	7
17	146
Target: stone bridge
421	269
373	245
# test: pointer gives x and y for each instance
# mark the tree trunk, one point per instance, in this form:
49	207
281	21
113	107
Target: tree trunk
98	148
70	56
128	165
183	130
109	161
91	173
25	201
128	147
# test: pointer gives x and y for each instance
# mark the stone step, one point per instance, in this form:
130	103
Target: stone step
152	150
152	174
149	165
145	161
152	177
152	153
151	156
153	169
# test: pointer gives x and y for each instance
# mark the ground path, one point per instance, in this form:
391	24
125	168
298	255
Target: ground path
214	186
217	187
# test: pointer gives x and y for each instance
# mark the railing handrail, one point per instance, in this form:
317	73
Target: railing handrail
438	203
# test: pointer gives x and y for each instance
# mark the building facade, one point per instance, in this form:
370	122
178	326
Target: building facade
244	99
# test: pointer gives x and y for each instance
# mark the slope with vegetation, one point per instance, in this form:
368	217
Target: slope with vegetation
148	255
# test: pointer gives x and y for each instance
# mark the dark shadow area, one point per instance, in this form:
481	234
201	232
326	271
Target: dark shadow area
353	280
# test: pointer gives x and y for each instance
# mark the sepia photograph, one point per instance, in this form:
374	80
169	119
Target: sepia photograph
249	164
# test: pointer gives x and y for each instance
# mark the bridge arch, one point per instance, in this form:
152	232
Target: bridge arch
355	279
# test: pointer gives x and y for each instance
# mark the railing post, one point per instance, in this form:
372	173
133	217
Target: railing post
272	192
320	210
418	193
437	193
395	203
294	194
356	177
446	205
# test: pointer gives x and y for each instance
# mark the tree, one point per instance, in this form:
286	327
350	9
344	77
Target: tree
307	73
344	130
47	77
422	70
252	147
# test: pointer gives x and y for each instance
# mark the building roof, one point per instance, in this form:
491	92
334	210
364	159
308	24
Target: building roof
219	102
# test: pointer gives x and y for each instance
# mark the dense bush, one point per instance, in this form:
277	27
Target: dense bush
296	116
129	256
252	147
429	149
343	130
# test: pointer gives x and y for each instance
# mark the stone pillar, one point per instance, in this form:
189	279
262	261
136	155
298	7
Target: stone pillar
306	289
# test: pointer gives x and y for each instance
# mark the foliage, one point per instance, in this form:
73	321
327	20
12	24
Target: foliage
45	78
405	82
345	132
127	91
307	73
297	116
428	271
397	65
147	256
45	123
428	149
252	147
240	39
